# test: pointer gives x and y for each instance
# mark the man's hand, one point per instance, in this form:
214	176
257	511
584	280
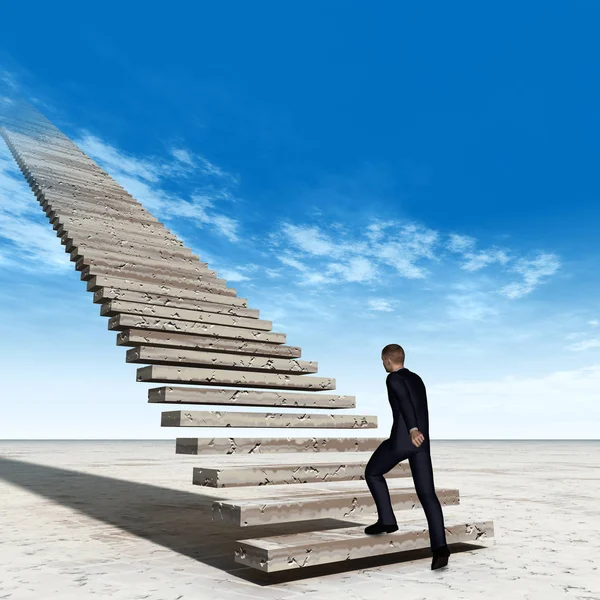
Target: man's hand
417	437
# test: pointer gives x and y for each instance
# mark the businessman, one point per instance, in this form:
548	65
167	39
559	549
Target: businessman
409	438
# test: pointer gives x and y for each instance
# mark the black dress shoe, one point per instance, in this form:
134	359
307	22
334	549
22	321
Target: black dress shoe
380	528
440	557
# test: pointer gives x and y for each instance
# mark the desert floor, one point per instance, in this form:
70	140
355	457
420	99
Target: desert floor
122	520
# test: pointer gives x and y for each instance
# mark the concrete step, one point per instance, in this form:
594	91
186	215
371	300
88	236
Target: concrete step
153	290
63	164
44	176
126	243
223	396
106	256
137	337
96	197
212	418
188	281
237	379
104	225
286	473
242	446
127	250
285	552
125	321
115	307
193	281
26	144
79	210
218	360
54	154
173	303
101	223
147	354
93	204
304	503
111	239
151	266
198	292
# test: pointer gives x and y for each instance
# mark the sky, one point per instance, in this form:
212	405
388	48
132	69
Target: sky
364	174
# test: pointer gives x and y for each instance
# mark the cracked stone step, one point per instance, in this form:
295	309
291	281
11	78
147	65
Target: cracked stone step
302	504
189	281
40	180
62	213
276	474
224	296
42	177
115	307
57	208
223	396
127	250
241	446
172	266
254	379
125	321
285	552
133	280
213	418
218	360
162	262
105	294
105	225
127	244
91	199
150	239
136	337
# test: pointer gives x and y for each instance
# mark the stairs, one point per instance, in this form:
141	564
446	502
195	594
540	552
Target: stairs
185	326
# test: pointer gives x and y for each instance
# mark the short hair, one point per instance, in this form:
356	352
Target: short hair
394	352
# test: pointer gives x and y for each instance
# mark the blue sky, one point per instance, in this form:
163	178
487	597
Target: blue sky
363	174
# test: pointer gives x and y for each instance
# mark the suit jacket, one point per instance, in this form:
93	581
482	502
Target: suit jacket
408	399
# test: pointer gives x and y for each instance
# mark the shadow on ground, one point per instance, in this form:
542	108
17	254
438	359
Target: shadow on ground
181	521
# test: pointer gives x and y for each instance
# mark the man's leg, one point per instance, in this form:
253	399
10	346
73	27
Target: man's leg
382	461
422	472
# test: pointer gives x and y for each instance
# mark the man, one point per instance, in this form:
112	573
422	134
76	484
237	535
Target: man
409	438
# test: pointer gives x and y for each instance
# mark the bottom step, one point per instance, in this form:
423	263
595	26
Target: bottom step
282	552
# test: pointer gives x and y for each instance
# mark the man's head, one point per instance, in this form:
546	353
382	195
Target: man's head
393	357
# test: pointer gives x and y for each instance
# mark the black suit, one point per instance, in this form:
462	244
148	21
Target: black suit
408	399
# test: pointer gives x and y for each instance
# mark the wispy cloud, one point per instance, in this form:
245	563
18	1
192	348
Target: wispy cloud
517	394
380	304
404	247
147	180
534	272
29	241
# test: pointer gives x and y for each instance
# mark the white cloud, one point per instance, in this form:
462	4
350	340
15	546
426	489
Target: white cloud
32	244
465	245
557	395
533	271
183	156
471	306
584	344
380	304
142	178
231	275
594	323
460	243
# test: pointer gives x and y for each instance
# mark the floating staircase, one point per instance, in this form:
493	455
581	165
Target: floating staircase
186	326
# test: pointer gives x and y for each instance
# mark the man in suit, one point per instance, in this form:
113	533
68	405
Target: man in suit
409	438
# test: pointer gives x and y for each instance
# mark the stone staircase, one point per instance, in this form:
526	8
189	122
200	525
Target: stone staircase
187	327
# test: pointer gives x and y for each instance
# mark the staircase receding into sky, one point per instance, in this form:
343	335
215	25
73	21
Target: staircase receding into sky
192	333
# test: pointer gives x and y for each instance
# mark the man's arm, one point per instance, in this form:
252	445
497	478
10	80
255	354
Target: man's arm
401	393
